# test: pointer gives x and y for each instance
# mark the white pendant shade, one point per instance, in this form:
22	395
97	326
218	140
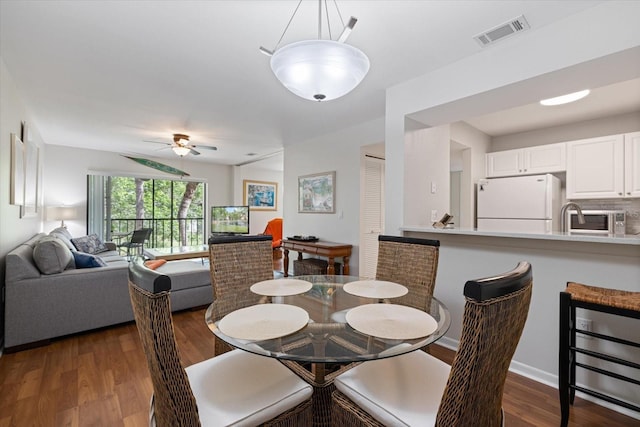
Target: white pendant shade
180	150
319	70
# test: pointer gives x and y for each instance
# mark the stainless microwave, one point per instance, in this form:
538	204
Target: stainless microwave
605	222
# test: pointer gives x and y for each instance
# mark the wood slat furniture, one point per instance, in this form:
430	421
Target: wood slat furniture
330	250
605	359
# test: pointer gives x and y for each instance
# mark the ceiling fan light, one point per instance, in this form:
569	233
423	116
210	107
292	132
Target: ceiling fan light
319	70
565	99
181	150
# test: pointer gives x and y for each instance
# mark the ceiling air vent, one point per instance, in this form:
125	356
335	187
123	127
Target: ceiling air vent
502	31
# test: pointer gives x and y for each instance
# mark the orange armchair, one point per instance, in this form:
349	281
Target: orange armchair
274	229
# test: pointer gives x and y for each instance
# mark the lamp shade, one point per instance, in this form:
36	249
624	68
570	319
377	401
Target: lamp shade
319	70
180	150
60	213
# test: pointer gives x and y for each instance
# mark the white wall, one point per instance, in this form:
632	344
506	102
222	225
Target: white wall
254	172
473	159
513	72
66	169
13	229
426	163
339	152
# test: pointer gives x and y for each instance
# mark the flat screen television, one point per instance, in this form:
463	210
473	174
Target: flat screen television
229	219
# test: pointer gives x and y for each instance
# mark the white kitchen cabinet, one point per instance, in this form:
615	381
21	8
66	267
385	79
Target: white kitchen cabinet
595	168
632	164
546	158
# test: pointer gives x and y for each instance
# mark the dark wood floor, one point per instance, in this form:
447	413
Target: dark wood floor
100	378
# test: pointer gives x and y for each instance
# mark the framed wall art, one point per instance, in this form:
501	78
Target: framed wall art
316	193
31	179
16	196
260	195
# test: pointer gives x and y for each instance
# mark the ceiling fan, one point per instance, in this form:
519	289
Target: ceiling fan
181	146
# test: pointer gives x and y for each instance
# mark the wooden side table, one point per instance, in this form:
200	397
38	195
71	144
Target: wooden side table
330	250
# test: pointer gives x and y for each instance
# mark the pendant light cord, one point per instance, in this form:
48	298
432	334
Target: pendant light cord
287	27
326	8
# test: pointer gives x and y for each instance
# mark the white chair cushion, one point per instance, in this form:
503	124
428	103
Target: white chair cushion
238	388
404	390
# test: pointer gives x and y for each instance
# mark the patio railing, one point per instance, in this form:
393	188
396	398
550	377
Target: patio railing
165	231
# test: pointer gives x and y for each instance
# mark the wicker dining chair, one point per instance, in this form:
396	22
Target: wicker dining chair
418	389
236	263
412	262
237	387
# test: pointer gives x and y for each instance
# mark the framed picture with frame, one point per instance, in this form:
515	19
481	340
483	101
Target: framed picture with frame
32	175
316	193
16	196
260	195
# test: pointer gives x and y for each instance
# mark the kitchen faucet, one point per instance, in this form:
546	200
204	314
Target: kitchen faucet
563	215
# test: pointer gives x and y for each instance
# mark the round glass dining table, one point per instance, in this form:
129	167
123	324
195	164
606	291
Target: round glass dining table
328	338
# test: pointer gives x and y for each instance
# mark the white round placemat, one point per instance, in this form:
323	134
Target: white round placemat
263	321
391	321
375	289
281	287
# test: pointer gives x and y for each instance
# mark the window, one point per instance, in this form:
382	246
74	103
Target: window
174	209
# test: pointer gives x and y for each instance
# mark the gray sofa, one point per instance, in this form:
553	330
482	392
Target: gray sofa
43	306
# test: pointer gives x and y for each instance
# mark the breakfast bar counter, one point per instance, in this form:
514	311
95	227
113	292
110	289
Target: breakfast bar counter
606	262
628	239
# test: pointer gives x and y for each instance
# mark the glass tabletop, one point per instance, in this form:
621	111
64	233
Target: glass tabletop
328	337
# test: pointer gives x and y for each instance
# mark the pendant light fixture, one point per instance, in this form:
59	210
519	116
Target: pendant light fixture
181	150
319	70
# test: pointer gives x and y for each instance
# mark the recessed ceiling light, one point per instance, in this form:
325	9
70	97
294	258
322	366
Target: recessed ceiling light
565	99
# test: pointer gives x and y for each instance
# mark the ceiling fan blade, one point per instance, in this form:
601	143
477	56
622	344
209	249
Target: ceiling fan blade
156	142
206	147
194	152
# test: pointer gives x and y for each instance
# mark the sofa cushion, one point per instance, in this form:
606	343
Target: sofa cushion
52	256
90	244
83	260
19	262
63	234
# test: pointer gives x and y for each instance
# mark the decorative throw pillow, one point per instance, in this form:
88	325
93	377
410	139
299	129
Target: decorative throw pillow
152	264
52	256
84	260
64	235
90	244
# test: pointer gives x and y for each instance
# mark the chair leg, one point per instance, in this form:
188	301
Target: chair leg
563	358
572	353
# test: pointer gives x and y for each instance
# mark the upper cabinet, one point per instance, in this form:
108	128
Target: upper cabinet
547	158
604	167
632	164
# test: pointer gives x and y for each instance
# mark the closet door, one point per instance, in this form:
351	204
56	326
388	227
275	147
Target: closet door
371	214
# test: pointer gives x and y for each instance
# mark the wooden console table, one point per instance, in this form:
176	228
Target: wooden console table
330	250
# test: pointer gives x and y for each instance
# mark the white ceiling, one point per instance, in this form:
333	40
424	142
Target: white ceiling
111	75
618	98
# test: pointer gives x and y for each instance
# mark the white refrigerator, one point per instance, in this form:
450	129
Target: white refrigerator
519	204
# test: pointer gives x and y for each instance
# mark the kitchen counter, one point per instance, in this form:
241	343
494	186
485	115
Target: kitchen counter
557	258
629	239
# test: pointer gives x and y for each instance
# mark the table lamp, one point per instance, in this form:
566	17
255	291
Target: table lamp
61	213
